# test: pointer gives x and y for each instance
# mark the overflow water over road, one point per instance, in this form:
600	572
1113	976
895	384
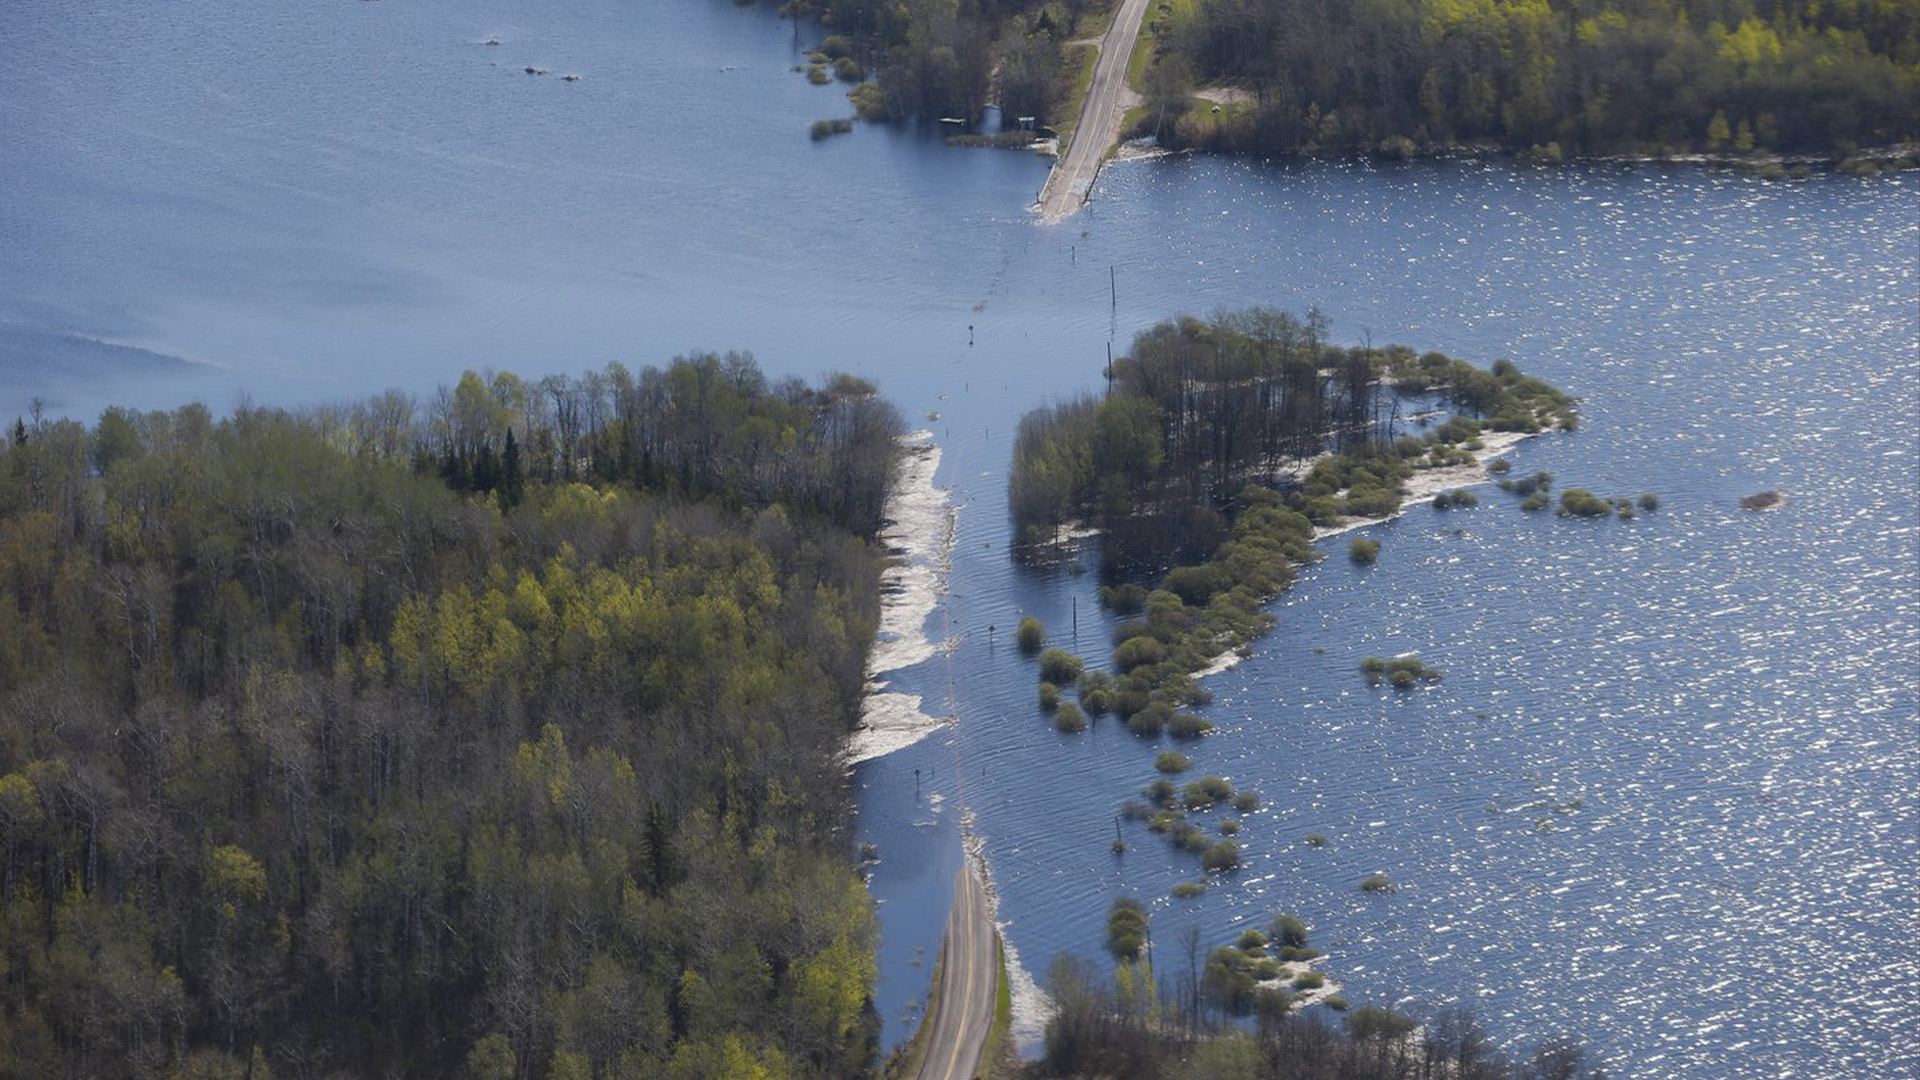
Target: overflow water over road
1664	799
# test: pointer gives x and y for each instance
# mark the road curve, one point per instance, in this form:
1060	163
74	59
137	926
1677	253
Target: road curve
1071	180
969	977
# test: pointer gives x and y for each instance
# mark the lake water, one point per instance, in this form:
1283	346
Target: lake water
1664	799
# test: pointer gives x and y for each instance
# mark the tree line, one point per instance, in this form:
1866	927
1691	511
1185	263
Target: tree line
950	58
1136	1025
497	736
1402	77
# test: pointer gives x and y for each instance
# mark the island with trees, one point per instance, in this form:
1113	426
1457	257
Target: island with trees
495	737
1221	449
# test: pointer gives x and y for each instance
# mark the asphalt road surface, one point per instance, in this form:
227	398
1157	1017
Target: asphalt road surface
969	977
1100	116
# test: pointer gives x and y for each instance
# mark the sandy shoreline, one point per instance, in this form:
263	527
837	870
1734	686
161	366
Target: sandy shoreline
920	536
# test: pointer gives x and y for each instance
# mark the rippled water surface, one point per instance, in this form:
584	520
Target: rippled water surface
1664	799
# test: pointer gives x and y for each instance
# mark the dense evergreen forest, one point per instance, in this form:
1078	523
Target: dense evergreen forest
495	737
1613	77
940	58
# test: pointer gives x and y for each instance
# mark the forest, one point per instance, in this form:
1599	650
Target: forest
1554	77
494	736
950	58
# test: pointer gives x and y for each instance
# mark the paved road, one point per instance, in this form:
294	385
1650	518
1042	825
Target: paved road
969	977
1100	117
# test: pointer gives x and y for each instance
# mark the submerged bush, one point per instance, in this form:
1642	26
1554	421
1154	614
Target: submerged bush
1459	497
1377	883
1499	466
1060	666
1364	552
847	69
1247	802
1404	672
819	75
1171	761
1068	717
1127	599
1649	501
1224	855
823	129
1251	942
1577	502
1186	725
1187	890
1316	840
1161	792
1309	980
1535	501
1049	696
1126	928
1288	930
1206	792
1030	634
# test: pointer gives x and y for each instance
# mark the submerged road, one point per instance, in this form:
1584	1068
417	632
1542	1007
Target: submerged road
1071	180
969	977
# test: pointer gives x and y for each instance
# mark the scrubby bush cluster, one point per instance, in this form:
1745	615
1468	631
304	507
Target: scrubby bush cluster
1402	672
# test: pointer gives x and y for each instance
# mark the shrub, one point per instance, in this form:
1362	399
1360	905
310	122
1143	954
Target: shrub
1161	792
1229	828
1138	651
1030	634
847	69
869	101
1167	821
1068	717
1404	672
1187	890
1151	720
836	46
826	129
1367	1024
1049	696
1224	855
1190	838
1288	930
1309	980
1097	702
1577	502
1126	928
1251	942
1127	599
1206	792
1060	667
1535	501
1337	1003
1448	500
1649	501
1499	466
1247	802
1364	552
1171	761
819	75
1377	883
1295	953
1186	725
